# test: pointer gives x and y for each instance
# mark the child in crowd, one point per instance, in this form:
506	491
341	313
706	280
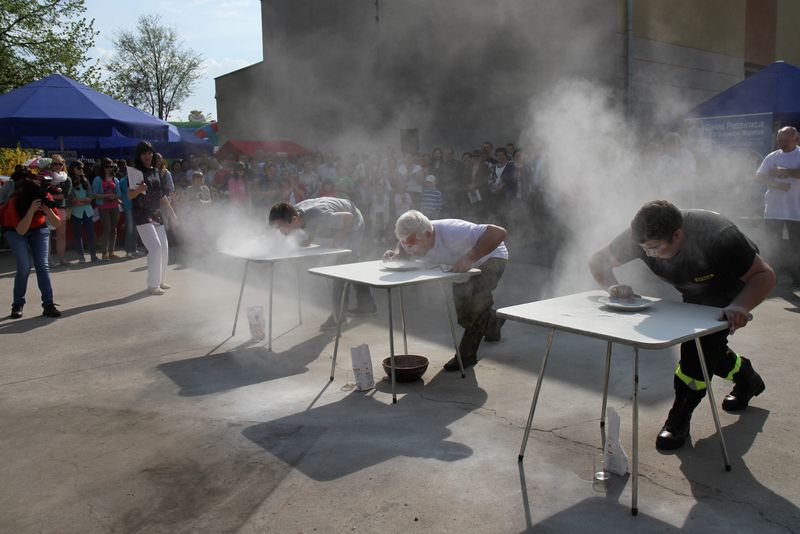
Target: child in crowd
432	200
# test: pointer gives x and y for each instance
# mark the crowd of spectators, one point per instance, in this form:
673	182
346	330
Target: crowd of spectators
484	184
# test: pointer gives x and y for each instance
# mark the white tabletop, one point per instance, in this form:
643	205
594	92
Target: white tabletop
283	254
375	274
664	324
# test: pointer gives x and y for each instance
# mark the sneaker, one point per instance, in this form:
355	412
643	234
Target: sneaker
16	311
331	323
113	256
452	364
57	263
155	291
363	311
165	286
50	310
104	257
95	259
82	259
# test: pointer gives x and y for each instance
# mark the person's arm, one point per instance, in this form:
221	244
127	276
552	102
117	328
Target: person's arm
768	181
166	205
52	216
759	281
783	172
133	193
486	243
601	265
24	224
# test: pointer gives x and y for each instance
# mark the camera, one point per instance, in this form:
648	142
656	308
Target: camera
48	187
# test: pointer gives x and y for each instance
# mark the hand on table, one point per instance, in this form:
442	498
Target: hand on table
620	291
390	255
737	317
463	265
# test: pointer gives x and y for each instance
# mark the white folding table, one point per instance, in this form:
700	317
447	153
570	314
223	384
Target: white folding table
662	325
271	258
376	274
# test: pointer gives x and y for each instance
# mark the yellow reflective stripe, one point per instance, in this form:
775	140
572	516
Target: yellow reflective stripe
692	383
735	368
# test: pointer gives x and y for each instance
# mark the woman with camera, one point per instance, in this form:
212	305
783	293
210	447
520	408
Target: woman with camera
25	220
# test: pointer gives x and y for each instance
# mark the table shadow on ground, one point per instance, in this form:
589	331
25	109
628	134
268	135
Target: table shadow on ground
720	492
357	432
242	366
598	514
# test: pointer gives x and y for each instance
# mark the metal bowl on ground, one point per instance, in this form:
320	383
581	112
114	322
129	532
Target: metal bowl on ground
407	367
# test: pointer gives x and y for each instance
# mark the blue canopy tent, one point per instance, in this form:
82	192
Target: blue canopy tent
58	108
746	115
775	89
180	143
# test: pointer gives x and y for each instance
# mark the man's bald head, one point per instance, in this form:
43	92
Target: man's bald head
787	138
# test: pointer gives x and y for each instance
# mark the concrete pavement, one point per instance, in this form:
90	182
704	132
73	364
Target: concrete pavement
136	413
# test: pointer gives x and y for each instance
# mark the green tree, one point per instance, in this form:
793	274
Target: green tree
150	68
42	37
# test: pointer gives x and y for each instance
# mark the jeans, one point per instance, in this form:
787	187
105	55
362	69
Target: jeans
130	233
154	237
109	219
35	242
78	224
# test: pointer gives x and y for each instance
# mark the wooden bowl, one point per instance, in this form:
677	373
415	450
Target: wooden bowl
407	367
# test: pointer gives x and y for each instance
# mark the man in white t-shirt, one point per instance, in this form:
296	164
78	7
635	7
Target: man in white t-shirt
780	172
461	245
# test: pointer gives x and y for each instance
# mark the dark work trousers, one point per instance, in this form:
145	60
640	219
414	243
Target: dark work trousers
788	252
473	302
720	361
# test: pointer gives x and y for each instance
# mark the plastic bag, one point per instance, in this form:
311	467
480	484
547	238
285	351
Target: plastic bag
614	457
255	317
362	367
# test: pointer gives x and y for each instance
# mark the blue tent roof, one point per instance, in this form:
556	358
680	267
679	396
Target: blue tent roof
59	106
775	89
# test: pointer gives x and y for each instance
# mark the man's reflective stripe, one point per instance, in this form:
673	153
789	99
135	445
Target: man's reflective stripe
693	384
735	368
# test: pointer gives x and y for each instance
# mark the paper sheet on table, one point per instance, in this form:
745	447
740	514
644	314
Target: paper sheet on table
135	177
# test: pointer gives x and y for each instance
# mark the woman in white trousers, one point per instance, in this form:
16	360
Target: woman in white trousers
149	200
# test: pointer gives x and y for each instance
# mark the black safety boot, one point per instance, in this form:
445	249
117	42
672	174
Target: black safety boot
676	428
467	359
493	332
746	385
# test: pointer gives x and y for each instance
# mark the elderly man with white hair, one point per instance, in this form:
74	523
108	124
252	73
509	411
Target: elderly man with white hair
461	245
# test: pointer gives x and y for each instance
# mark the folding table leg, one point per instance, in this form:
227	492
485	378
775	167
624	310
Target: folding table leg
345	289
550	335
452	329
299	299
239	302
271	287
403	321
605	398
635	444
391	344
713	404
